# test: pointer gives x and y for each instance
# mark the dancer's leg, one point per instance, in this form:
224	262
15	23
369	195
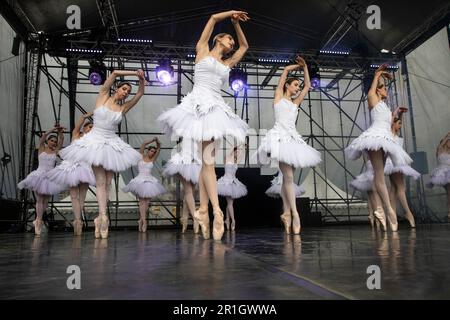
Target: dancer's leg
399	182
286	217
83	189
75	199
230	212
377	159
393	193
101	222
288	188
143	208
40	208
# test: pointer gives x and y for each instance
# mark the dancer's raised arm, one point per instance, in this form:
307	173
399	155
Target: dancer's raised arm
279	91
60	138
202	47
243	44
43	138
130	104
77	129
372	96
306	83
144	144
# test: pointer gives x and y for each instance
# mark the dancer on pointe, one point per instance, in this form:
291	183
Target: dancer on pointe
38	180
230	187
145	186
274	191
441	174
204	116
77	176
364	183
285	145
378	142
397	174
101	147
186	165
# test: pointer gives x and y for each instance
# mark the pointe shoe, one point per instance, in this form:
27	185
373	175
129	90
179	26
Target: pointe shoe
218	227
37	227
97	227
393	224
380	216
233	225
411	221
77	227
104	226
140	225
144	225
184	224
286	219
196	226
296	226
227	223
202	218
372	221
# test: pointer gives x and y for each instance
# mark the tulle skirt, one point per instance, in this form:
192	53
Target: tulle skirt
202	116
188	169
283	147
102	148
39	182
363	182
375	139
440	176
274	191
232	188
144	186
406	170
71	174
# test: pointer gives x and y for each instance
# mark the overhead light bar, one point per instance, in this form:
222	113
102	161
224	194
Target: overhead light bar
335	52
269	60
133	40
84	50
390	67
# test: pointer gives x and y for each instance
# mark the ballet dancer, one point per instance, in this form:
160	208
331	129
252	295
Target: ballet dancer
364	183
378	142
274	191
285	145
37	180
101	147
77	176
397	173
230	187
441	174
145	186
186	165
204	116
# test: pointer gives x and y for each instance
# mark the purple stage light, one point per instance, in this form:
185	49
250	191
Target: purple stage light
164	76
237	85
95	78
164	72
315	83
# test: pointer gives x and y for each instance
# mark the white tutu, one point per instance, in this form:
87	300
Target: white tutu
441	174
274	191
203	114
144	185
101	146
71	174
229	186
186	163
406	170
379	136
364	181
38	180
283	143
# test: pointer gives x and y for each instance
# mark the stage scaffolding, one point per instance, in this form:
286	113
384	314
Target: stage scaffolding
351	70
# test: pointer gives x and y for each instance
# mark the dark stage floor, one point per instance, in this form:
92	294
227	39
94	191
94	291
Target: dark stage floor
322	263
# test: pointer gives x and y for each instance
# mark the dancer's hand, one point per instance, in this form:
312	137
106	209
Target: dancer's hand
300	61
381	71
292	67
87	115
237	16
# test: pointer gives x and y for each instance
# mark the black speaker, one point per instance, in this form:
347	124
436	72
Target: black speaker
16	46
420	161
10	214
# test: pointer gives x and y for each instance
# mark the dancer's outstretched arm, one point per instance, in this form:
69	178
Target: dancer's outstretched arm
158	149
307	82
130	104
279	90
103	94
77	129
60	138
43	138
243	44
202	48
372	94
144	144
